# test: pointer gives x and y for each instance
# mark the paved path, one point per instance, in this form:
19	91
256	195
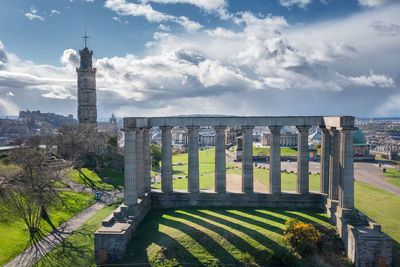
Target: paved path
31	255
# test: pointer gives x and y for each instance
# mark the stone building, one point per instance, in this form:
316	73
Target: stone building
287	139
87	110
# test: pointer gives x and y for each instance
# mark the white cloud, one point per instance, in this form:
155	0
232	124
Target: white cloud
124	8
33	14
253	69
373	80
164	27
9	93
374	3
300	3
54	12
207	5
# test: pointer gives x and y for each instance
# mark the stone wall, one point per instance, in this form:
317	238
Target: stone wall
111	239
175	199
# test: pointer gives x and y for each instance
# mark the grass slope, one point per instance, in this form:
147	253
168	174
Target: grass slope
14	235
105	180
215	236
78	248
7	170
382	207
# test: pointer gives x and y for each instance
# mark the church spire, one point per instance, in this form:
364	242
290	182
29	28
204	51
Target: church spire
85	37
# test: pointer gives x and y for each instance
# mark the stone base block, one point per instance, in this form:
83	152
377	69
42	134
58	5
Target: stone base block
111	239
330	208
229	199
369	247
363	240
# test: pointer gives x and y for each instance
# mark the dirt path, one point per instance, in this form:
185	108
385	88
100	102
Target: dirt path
234	184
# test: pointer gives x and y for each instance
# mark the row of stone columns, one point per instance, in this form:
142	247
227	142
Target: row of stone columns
337	166
337	170
137	165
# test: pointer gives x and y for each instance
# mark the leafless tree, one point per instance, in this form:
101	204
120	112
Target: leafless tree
81	144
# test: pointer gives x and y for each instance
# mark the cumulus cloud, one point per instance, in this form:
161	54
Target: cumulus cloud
373	80
124	8
300	3
54	12
3	56
374	3
208	5
250	69
70	57
33	14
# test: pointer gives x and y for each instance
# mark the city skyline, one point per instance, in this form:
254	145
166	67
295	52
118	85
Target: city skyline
173	57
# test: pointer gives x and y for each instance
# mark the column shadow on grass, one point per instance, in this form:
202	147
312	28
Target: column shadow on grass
209	244
173	252
250	221
305	219
261	256
148	233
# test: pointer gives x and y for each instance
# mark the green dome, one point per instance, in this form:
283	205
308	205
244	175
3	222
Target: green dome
359	138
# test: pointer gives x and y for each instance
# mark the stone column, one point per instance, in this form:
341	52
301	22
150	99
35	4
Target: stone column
130	194
247	160
275	160
346	183
334	168
139	163
147	160
220	163
166	160
324	180
193	159
302	160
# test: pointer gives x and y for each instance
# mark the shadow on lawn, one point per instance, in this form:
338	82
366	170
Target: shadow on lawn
173	252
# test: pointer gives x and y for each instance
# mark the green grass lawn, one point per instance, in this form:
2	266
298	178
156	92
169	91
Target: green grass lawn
206	182
395	181
78	248
205	157
392	172
288	180
264	151
218	236
105	180
382	207
14	235
6	170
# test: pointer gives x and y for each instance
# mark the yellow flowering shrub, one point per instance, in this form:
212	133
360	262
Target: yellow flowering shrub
302	237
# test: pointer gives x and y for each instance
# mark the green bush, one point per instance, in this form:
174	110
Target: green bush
302	237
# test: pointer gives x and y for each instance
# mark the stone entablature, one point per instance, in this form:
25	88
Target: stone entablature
337	175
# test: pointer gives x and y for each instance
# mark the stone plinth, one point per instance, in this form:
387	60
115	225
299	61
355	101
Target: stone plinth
182	199
368	246
111	239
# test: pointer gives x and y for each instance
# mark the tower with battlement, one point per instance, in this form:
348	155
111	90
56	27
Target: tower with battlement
87	109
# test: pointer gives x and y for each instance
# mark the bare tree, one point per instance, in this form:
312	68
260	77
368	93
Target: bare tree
81	144
38	176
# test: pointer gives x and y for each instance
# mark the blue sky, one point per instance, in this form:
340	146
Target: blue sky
169	57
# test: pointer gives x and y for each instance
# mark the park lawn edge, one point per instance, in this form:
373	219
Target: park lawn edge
57	217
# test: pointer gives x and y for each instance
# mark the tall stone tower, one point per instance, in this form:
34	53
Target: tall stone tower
87	110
